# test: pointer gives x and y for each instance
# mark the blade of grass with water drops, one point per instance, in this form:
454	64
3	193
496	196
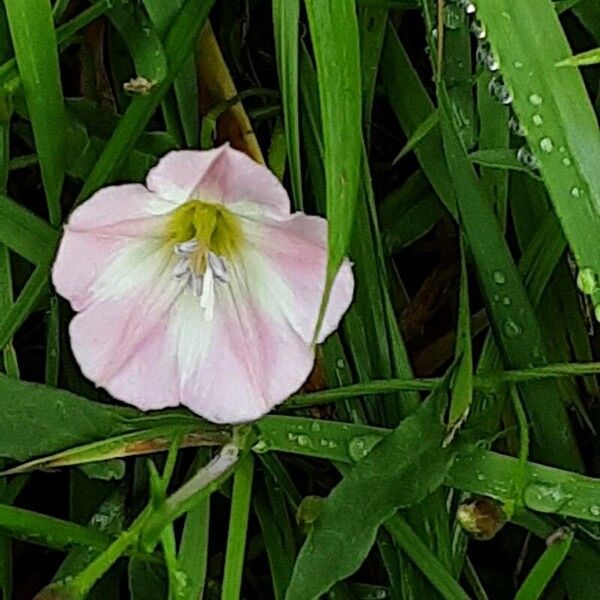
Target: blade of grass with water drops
515	326
556	113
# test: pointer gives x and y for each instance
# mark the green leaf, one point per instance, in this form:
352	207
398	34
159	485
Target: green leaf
400	471
334	32
46	410
34	41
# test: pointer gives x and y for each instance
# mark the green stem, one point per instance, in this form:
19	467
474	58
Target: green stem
479	382
238	527
206	481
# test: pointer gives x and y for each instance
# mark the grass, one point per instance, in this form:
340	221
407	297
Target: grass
456	157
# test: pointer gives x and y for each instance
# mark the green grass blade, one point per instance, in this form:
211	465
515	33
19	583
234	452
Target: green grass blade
591	57
413	107
557	114
48	531
31	295
515	326
427	562
286	14
35	44
545	568
25	233
334	32
178	43
185	84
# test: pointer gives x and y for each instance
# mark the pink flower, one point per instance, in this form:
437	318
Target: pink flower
200	288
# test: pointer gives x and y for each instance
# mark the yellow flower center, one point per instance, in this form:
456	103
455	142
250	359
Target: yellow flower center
214	227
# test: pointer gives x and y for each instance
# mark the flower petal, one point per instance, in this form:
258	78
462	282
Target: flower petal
241	364
119	339
222	175
97	233
285	264
177	173
234	178
117	204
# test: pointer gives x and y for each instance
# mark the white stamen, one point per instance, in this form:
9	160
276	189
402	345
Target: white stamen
181	268
207	299
217	264
186	248
197	285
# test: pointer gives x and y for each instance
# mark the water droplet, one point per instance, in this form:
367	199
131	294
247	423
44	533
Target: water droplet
478	29
566	161
544	497
575	192
315	426
512	329
526	158
597	312
506	15
480	477
324	442
535	99
468	6
340	363
546	144
537	120
499	90
518	64
362	445
506	301
304	441
331	444
496	297
453	16
561	149
595	510
587	281
260	446
434	33
499	277
516	127
292	436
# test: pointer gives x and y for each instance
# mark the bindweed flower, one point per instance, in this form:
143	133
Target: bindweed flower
200	288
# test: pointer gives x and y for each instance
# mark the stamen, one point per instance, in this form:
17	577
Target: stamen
197	285
217	264
182	268
186	248
200	268
207	300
